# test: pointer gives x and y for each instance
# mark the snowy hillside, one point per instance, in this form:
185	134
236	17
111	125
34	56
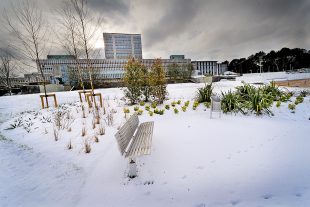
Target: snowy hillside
234	160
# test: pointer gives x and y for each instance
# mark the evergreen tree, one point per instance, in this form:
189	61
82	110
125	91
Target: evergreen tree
133	80
158	81
145	87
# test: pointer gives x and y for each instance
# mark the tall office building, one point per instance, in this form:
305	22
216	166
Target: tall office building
122	46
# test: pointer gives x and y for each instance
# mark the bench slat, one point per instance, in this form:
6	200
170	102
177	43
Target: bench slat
126	132
142	140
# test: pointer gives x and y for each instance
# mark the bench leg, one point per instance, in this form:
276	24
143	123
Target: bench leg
132	169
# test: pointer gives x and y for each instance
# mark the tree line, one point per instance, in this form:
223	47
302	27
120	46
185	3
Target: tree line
283	60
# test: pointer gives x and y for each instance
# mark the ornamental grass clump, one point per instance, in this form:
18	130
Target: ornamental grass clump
140	112
151	113
292	107
230	102
136	108
278	104
186	103
299	99
176	111
204	94
173	103
142	103
154	105
167	107
147	108
195	105
184	108
179	102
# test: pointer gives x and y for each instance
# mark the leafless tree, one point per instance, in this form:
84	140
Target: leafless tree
87	26
69	39
26	22
8	68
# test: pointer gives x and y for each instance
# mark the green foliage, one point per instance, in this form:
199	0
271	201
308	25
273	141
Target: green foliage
154	105
179	102
126	110
151	113
173	103
140	112
176	111
142	103
195	105
278	104
207	104
184	108
147	107
204	94
299	99
156	111
158	82
186	103
167	107
292	107
229	102
259	102
303	93
161	112
133	80
136	108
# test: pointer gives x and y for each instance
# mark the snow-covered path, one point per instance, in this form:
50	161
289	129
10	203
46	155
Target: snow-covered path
29	178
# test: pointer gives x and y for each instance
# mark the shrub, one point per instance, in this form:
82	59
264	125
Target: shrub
126	110
204	94
83	131
278	104
154	105
303	93
133	80
96	139
161	112
292	106
147	108
299	99
259	102
184	108
101	130
179	102
229	102
151	113
142	103
140	112
136	108
167	107
195	105
156	111
186	103
207	104
158	81
87	146
176	110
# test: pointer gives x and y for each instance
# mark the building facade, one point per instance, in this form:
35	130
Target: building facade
104	69
209	67
122	46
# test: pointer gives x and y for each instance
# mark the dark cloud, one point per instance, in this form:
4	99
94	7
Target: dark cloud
205	29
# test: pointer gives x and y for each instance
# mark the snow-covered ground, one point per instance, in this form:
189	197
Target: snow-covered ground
234	160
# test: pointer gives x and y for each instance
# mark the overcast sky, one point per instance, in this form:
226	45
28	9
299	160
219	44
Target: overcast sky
202	29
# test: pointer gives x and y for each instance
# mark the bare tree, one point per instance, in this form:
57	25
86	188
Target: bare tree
87	26
8	69
69	39
26	22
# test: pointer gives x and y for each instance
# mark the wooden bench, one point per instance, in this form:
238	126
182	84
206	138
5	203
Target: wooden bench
134	140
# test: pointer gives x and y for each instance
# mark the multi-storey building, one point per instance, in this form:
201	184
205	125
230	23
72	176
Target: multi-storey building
209	67
105	69
122	46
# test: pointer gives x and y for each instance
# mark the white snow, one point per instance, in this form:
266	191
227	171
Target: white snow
235	160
